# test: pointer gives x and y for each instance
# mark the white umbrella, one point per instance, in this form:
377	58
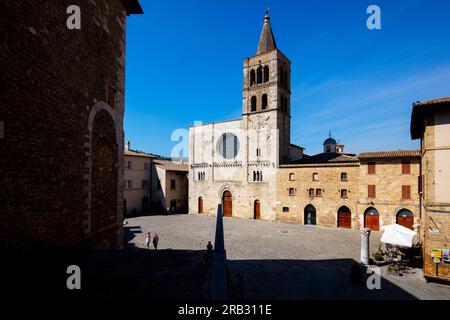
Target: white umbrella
397	235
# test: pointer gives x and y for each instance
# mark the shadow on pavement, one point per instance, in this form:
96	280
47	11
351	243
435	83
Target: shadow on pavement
304	279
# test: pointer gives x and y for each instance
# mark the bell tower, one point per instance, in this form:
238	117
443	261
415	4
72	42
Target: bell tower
266	91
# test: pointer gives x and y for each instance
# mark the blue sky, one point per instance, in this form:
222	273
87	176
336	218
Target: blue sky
184	64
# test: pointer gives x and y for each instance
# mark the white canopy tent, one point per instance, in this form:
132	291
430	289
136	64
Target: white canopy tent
398	235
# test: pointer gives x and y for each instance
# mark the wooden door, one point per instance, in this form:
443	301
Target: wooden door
344	218
200	205
406	218
257	210
372	221
227	204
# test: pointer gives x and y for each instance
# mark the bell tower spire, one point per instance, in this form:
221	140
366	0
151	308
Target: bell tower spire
266	40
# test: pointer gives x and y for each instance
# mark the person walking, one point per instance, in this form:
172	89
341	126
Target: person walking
155	241
148	240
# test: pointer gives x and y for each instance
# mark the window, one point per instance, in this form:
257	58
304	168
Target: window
266	74
257	176
172	184
311	192
343	176
371	168
258	152
253	104
318	192
228	146
285	209
130	184
328	149
129	164
252	78
285	104
291	191
406	167
315	176
291	176
406	192
344	193
264	102
201	176
145	165
145	184
371	191
259	76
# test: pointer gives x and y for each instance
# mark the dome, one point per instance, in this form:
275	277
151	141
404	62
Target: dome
329	141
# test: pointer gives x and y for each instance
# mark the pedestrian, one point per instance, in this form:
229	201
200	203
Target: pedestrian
148	240
155	241
209	247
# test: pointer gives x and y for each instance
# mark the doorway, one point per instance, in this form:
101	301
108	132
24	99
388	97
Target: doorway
227	203
344	218
310	215
256	210
372	219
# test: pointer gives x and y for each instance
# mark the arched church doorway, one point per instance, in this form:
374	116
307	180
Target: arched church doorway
344	218
227	204
256	210
310	215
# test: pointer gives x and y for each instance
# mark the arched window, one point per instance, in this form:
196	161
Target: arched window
252	78
200	205
259	75
266	74
254	175
253	104
264	102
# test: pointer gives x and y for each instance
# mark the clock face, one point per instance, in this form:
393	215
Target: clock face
228	146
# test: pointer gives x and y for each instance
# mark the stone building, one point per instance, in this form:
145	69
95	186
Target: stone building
235	162
430	122
337	189
169	186
138	182
61	123
251	168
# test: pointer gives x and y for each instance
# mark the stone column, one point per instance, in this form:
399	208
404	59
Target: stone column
365	235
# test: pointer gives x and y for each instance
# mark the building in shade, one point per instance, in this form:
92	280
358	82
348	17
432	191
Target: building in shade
61	124
430	122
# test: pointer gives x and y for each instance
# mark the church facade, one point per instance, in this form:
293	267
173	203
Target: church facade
250	167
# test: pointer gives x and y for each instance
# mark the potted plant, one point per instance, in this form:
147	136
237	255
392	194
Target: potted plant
378	256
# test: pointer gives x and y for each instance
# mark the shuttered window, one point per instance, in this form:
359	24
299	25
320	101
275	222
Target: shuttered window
406	167
406	192
371	168
371	191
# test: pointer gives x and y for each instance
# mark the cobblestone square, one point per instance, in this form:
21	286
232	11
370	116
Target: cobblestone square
276	260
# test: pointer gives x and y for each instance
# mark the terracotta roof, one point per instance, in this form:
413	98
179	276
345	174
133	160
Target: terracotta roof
390	154
418	111
327	157
434	101
138	154
171	165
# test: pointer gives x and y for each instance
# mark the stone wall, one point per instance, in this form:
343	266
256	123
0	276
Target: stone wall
54	82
